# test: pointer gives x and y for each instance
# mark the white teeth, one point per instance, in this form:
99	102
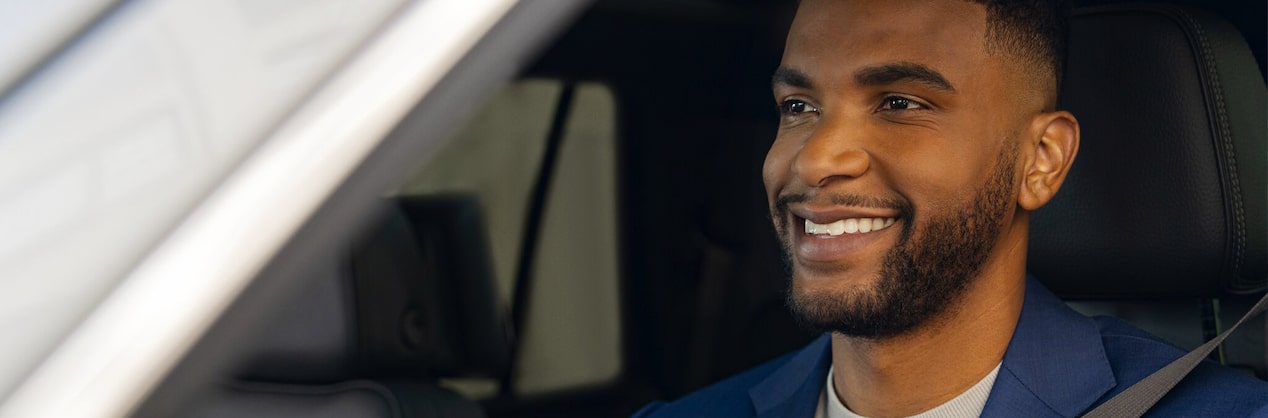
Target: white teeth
814	228
848	226
836	228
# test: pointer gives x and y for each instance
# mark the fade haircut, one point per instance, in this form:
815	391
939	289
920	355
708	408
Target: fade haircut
1033	30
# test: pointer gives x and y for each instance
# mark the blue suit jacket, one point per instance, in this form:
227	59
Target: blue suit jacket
1058	364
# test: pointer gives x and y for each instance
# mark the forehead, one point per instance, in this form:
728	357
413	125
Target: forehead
834	37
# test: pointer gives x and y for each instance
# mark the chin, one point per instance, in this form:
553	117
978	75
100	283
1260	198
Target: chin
821	300
834	277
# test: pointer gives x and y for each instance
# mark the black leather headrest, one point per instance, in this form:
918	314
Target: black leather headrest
438	305
414	299
313	336
1167	196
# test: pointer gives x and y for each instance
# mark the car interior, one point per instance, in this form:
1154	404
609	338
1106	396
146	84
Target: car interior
596	236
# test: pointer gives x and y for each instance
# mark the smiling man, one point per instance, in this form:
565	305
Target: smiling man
916	137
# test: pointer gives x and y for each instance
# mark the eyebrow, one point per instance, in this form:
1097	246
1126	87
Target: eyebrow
886	74
785	76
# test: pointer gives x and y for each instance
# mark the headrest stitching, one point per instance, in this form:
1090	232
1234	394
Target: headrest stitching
1226	140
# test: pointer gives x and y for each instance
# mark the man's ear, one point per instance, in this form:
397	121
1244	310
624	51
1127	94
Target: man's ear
1054	137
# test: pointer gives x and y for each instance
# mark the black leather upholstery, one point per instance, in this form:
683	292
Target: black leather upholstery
314	337
1167	194
442	311
413	302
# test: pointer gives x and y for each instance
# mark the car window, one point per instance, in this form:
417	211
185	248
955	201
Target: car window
571	333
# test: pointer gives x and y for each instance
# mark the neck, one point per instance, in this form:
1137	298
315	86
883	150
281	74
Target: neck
919	370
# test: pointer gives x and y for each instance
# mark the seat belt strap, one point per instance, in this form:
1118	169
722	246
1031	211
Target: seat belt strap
1138	398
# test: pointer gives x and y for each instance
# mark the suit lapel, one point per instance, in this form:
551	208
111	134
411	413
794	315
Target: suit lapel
1055	365
793	389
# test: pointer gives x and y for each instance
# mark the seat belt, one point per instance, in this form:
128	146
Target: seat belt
1138	398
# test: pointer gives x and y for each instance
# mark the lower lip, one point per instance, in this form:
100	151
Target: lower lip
829	248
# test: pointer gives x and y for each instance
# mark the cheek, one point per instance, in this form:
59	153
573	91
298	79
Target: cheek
776	168
937	178
942	192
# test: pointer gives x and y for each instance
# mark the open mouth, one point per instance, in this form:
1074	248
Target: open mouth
848	226
834	239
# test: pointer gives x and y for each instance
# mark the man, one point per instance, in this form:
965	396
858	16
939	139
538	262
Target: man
916	137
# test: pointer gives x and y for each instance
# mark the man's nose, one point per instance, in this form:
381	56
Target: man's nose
834	151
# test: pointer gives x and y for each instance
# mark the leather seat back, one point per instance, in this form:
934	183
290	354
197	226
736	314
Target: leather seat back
413	302
1167	196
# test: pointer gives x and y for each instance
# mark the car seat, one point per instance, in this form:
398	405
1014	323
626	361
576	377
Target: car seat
1164	210
372	336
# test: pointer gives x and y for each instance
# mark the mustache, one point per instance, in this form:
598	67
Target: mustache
844	199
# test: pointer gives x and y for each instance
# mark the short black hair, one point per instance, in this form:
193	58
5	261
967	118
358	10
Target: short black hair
1034	30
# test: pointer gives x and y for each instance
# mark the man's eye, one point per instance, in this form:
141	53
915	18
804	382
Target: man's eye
900	103
793	107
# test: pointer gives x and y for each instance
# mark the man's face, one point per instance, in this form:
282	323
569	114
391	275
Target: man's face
894	170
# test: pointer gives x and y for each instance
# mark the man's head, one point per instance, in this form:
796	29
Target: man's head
915	137
1033	33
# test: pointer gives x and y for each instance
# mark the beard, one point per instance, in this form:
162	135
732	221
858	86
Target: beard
922	276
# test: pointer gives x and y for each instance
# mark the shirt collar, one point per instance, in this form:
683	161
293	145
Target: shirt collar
967	404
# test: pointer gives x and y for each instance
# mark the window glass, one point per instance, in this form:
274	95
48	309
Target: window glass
496	157
572	329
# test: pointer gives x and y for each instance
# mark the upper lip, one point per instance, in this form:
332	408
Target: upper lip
825	214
